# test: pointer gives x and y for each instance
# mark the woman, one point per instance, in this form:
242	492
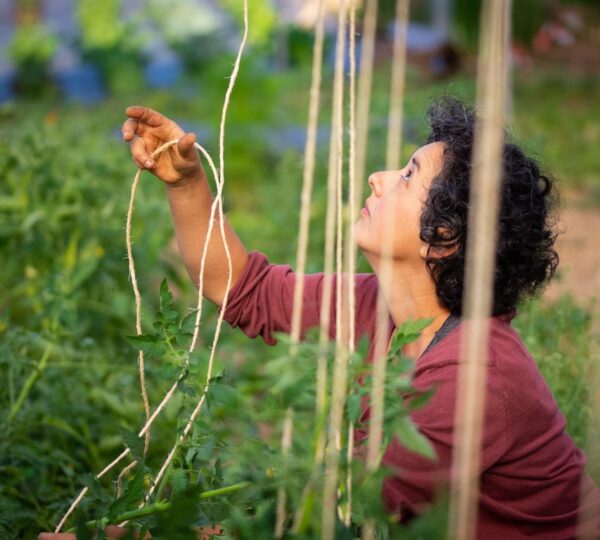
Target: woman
531	472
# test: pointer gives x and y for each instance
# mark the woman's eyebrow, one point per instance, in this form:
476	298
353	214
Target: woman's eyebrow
416	162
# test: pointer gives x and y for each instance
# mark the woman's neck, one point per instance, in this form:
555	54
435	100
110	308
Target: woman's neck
410	295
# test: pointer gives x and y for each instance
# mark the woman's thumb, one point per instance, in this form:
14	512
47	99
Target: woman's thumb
186	145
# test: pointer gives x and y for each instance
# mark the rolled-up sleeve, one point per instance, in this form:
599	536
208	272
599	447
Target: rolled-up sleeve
261	302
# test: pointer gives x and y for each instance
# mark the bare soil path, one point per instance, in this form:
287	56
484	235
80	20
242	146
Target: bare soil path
579	251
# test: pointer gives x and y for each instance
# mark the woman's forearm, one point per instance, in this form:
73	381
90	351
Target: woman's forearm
190	203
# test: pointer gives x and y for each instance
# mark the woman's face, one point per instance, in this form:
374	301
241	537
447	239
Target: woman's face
395	205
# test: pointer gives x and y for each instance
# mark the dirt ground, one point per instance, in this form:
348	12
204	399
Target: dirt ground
579	251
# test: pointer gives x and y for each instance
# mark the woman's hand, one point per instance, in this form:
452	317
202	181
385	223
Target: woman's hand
147	129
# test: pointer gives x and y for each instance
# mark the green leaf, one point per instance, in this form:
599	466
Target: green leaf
353	405
187	390
188	323
134	492
168	309
83	532
177	522
405	334
411	438
169	372
198	361
178	481
134	443
421	399
150	344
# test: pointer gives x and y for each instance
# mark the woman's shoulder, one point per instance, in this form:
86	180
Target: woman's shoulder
508	359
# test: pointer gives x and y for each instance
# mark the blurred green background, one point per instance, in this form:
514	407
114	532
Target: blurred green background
67	72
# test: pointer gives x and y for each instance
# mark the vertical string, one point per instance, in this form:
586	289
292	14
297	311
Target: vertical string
393	151
334	211
335	150
303	234
308	172
359	132
367	53
479	274
286	443
351	243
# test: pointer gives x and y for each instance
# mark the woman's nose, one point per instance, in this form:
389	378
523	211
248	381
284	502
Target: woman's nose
375	184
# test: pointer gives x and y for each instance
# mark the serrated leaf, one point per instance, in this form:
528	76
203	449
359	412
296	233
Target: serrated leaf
353	406
169	372
187	390
198	361
178	520
178	481
223	392
410	437
150	344
83	532
421	399
134	443
168	310
188	323
405	334
134	492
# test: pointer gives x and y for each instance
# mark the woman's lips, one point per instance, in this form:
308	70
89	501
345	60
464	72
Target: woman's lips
365	212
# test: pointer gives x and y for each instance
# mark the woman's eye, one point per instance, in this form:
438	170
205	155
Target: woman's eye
407	175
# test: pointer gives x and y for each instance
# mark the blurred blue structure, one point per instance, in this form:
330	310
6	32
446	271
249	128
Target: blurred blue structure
164	67
6	69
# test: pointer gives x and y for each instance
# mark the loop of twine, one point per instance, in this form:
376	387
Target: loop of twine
216	204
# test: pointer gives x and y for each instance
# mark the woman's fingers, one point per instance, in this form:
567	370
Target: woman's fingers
146	115
140	154
129	129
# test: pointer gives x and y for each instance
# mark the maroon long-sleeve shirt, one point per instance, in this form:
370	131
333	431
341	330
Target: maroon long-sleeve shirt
532	476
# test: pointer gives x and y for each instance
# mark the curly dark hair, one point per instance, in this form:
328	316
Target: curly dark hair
526	258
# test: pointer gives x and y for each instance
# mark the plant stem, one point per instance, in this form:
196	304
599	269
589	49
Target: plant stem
31	380
163	506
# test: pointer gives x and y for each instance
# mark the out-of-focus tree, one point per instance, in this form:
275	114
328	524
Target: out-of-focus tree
31	49
527	18
262	16
111	43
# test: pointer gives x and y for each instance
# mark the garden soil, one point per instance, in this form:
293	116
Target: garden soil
579	252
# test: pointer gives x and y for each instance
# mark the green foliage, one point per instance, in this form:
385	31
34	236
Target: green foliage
101	25
527	18
262	19
32	44
558	337
31	49
115	46
66	301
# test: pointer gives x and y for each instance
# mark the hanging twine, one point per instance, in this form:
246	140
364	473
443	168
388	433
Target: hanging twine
138	305
303	235
219	199
393	154
363	102
479	273
333	224
216	205
308	172
351	245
